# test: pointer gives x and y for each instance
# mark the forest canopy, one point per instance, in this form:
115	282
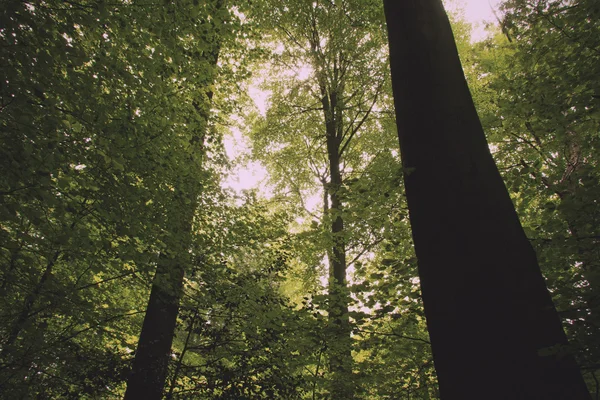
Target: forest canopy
376	261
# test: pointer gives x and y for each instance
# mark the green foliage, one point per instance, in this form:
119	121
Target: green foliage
92	180
111	155
346	64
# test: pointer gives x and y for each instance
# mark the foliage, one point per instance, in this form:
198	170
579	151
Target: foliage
90	168
110	145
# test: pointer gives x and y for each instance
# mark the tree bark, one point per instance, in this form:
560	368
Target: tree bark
331	90
494	330
151	362
340	343
150	367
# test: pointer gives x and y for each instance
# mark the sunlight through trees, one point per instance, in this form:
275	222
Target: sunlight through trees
299	199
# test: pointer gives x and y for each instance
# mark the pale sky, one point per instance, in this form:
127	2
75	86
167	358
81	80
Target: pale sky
478	9
477	12
253	175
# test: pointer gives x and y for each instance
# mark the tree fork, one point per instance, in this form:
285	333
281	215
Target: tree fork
494	330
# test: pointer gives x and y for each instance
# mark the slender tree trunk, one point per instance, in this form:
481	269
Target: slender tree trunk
150	366
29	302
340	346
33	297
341	343
173	384
494	330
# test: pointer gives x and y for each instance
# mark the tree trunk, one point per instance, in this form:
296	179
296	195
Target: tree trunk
151	362
340	344
150	367
494	330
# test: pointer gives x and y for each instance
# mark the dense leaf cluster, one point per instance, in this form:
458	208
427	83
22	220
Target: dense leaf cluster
111	122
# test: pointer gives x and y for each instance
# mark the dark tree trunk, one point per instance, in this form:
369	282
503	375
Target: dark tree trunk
151	362
494	330
150	367
340	344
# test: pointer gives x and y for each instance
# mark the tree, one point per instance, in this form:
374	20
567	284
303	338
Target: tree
80	208
149	371
538	107
493	327
341	45
112	210
97	182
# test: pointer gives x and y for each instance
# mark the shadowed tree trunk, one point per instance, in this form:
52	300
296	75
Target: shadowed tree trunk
150	367
494	330
151	362
332	90
340	345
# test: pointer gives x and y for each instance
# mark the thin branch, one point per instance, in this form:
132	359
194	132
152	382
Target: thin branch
129	273
362	121
394	334
365	249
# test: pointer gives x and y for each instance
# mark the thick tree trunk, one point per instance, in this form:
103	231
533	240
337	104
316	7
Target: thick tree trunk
494	330
150	366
